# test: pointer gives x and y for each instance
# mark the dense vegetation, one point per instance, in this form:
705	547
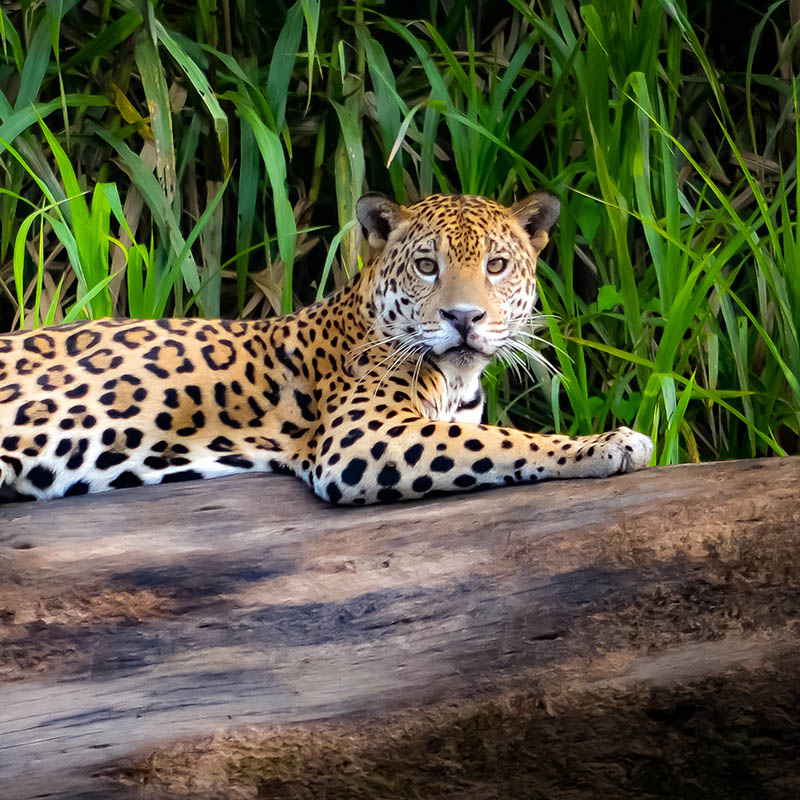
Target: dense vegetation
168	158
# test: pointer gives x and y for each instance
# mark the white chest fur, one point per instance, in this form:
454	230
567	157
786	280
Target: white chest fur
461	398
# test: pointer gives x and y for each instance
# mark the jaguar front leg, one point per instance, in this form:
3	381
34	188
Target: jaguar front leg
408	457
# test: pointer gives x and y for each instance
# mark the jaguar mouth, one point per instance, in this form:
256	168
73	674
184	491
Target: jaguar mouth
463	354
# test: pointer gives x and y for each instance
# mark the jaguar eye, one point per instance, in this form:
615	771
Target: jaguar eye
426	267
496	266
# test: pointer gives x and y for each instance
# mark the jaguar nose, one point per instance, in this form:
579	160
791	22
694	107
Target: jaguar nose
463	319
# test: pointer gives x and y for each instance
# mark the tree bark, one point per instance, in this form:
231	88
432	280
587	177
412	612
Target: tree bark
136	624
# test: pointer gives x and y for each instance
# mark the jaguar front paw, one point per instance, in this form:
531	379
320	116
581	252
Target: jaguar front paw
633	450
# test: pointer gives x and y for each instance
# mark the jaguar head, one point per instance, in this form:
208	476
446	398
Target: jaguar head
454	276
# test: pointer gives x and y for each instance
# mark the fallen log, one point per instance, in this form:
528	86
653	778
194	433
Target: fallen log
238	638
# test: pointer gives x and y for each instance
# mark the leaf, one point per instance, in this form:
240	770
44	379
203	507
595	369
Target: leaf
349	176
311	13
155	88
106	41
247	196
282	63
626	407
202	87
207	215
590	216
181	258
608	297
335	242
669	453
274	161
36	62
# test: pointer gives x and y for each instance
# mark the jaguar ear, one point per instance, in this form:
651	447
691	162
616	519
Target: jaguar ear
378	217
536	214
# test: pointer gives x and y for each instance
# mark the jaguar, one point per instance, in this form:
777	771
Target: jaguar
371	395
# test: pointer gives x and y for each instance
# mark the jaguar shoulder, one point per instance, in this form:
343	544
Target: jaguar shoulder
373	394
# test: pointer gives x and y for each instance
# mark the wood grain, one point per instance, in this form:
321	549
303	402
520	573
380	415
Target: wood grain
140	617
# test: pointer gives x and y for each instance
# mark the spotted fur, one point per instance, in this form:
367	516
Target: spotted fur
372	395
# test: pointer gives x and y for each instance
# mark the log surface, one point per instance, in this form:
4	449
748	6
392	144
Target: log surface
139	617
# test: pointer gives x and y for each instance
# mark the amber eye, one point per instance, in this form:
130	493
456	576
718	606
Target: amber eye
496	266
427	267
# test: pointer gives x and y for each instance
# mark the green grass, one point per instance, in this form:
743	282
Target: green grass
169	159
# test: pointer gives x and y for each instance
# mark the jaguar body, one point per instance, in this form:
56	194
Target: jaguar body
373	394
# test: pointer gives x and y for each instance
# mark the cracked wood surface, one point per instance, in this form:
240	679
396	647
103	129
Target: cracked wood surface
139	617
